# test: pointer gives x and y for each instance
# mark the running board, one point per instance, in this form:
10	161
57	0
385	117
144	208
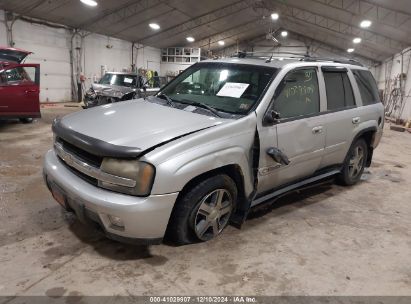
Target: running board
293	187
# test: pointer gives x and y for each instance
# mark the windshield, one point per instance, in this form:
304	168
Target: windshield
232	88
119	79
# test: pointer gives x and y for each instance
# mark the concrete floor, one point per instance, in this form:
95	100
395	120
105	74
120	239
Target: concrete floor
327	241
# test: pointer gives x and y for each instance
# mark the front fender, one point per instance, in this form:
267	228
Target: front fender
180	161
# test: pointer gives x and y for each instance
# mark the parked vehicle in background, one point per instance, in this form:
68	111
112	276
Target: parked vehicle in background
118	86
19	86
224	136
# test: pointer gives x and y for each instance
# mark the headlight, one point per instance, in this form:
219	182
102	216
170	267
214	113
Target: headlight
91	93
140	172
117	94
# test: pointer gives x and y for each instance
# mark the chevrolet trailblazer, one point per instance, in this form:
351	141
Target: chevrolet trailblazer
224	136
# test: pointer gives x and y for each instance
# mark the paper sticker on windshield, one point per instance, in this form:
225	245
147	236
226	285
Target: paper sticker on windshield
233	89
190	108
128	80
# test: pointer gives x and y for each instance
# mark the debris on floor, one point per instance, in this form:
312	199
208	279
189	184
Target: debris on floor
399	125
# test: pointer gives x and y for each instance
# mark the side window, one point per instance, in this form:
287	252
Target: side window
367	86
339	90
18	74
297	94
348	92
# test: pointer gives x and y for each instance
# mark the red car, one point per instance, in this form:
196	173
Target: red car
19	86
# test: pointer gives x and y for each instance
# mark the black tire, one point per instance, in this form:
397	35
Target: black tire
26	120
350	176
183	221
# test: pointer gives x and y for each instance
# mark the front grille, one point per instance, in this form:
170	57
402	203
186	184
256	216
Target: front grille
83	176
86	165
85	156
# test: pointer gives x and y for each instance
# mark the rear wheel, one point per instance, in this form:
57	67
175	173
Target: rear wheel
203	212
354	163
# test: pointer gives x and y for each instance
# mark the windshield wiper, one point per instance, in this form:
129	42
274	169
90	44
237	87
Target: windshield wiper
170	102
201	105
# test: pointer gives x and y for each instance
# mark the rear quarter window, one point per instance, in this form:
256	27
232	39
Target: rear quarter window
367	86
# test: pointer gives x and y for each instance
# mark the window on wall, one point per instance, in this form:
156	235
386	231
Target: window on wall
367	86
339	90
297	94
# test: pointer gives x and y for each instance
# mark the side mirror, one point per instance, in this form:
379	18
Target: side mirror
271	117
278	156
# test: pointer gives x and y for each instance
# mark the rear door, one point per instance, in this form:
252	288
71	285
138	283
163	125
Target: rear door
20	90
341	117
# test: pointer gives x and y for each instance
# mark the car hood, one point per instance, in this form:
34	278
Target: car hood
129	128
12	54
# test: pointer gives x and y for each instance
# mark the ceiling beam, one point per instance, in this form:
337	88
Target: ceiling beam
143	21
370	10
334	49
377	40
344	12
106	14
199	21
129	10
249	44
330	38
255	24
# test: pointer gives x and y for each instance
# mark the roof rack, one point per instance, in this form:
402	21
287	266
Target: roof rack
259	54
291	55
320	59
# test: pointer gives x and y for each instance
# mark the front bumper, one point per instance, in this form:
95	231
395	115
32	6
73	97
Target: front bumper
145	218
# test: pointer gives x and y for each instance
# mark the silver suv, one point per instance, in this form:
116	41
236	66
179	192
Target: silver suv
224	136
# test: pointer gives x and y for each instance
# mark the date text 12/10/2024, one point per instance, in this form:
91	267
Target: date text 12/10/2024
203	299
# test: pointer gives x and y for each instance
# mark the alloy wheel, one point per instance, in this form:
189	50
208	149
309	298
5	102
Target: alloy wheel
213	214
356	162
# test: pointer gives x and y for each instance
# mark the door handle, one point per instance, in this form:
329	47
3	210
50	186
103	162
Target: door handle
318	130
356	120
30	91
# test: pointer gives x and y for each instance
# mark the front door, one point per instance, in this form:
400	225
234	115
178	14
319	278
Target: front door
298	132
19	91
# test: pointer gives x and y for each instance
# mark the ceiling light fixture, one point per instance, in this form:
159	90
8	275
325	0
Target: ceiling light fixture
284	33
350	50
275	16
365	23
154	26
221	42
190	39
89	2
357	40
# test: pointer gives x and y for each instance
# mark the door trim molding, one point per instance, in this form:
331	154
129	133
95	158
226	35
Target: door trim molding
294	186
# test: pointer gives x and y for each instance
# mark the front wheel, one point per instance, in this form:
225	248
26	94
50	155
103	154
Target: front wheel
203	212
26	120
354	163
